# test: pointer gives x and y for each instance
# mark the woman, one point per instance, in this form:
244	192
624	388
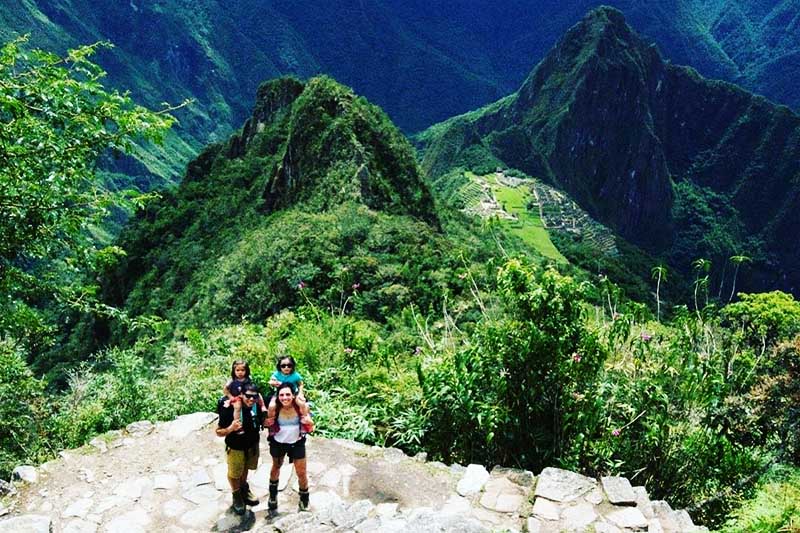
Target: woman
289	439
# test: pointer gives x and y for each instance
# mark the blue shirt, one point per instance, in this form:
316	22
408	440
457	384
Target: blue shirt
292	379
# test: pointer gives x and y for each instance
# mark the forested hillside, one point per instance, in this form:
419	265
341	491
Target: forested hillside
421	61
683	167
417	321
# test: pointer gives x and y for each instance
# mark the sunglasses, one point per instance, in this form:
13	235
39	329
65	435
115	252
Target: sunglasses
251	396
287	365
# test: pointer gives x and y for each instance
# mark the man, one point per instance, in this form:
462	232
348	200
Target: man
241	445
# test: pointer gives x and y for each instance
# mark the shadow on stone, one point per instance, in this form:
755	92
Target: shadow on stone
230	522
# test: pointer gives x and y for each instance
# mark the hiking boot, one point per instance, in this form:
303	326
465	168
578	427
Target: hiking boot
303	505
238	504
247	495
272	503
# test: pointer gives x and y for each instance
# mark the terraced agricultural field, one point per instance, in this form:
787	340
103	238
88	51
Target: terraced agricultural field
507	198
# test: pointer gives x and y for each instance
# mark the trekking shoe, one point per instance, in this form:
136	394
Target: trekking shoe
272	503
303	505
247	495
238	505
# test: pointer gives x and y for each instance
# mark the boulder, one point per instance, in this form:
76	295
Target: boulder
26	473
474	479
28	523
562	485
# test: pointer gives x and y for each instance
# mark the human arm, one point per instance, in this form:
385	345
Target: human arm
236	425
274	381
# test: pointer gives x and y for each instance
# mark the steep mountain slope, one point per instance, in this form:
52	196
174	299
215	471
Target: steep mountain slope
677	164
422	61
318	195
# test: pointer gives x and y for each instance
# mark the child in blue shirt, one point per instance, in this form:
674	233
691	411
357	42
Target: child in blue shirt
286	373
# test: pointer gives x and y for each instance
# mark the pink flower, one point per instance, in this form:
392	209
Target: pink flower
646	336
616	432
576	357
417	350
301	285
348	351
356	286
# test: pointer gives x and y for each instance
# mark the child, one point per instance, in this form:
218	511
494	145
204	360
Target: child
240	376
286	373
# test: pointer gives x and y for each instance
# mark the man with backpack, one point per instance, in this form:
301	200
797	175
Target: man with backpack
241	444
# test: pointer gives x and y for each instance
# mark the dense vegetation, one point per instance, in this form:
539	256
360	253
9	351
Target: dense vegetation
312	232
422	61
679	166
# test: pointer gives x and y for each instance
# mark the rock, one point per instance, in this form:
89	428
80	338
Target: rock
202	495
26	473
562	485
474	479
201	517
109	503
6	488
386	510
502	495
643	502
577	517
421	456
618	490
228	520
174	508
325	504
394	456
80	526
630	517
546	509
605	527
99	444
533	525
523	478
79	508
132	490
183	426
332	478
287	471
355	513
27	523
199	477
654	526
456	505
135	521
3	509
595	496
457	468
86	475
425	520
165	482
220	475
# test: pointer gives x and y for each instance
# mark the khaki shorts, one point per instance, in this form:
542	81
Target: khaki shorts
239	459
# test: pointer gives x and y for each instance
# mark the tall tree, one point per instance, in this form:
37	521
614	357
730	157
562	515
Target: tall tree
56	118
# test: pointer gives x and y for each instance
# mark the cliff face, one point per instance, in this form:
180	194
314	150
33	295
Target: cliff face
607	120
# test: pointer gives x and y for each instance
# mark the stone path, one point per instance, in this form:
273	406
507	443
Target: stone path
171	477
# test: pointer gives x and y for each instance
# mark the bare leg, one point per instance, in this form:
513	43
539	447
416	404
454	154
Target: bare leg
302	473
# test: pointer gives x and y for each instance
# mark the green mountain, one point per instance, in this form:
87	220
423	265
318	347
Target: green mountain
318	195
420	61
681	166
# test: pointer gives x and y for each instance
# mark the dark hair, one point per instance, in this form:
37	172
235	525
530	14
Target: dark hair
281	358
239	362
278	404
249	387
